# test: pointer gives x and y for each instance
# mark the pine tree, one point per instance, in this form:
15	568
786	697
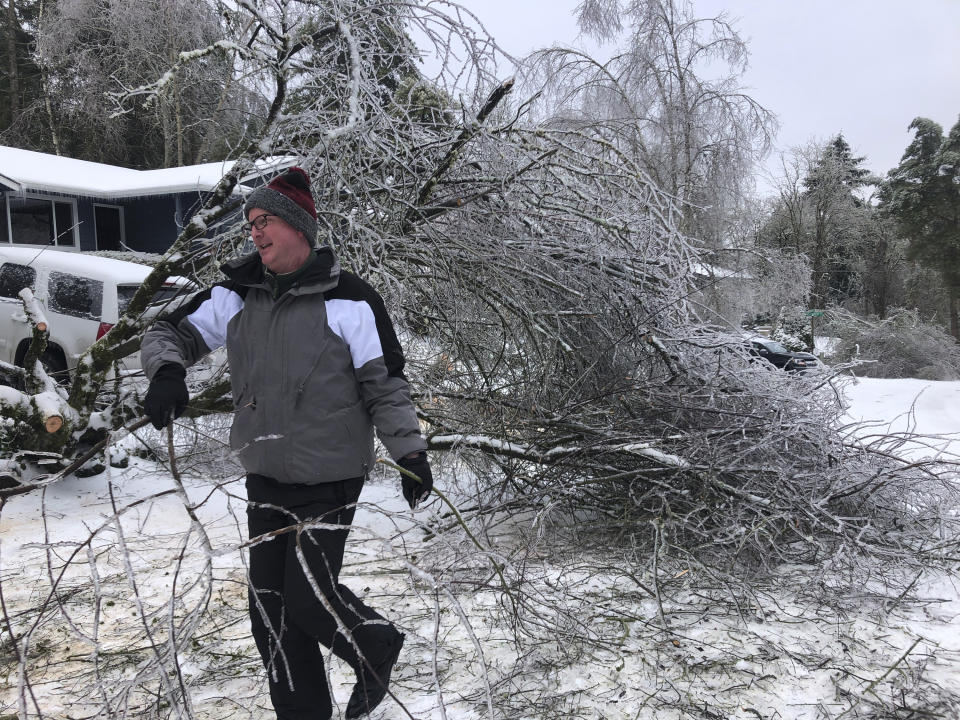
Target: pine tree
20	77
820	214
923	194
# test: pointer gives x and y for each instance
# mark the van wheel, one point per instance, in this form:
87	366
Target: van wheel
52	359
56	365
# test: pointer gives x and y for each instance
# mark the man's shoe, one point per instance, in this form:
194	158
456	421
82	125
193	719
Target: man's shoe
371	687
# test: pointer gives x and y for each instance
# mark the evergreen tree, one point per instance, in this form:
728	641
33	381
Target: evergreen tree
923	194
821	215
838	168
21	80
839	218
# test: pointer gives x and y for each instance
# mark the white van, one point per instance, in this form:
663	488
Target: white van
83	297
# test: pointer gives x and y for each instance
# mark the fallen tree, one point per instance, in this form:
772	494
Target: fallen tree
543	283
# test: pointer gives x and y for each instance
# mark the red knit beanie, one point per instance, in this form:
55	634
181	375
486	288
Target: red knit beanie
287	196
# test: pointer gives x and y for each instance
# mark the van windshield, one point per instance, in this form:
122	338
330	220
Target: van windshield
773	346
165	294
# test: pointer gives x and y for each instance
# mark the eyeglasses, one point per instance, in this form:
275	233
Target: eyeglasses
259	222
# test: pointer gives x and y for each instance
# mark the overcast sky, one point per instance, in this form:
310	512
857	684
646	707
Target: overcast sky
862	67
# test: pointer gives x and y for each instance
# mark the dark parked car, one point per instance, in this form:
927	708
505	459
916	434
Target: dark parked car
777	354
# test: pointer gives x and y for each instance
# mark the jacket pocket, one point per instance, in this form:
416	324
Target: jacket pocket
333	446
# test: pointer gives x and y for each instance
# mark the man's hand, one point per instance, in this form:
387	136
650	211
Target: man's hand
167	395
414	491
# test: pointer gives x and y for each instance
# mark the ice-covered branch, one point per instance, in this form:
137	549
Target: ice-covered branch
154	89
498	446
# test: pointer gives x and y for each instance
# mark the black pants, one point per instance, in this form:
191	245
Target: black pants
289	619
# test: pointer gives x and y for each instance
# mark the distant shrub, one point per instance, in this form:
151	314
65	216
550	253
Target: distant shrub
898	346
792	330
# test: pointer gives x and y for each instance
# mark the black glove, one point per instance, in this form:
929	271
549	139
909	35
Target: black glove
167	395
414	491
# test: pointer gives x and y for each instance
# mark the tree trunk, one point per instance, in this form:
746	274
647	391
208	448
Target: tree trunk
954	320
47	104
14	98
51	120
178	113
212	123
168	139
880	278
820	260
818	275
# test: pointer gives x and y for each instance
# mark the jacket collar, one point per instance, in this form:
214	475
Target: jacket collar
322	274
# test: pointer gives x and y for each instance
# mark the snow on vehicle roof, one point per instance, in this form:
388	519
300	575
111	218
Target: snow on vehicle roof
28	170
77	263
715	271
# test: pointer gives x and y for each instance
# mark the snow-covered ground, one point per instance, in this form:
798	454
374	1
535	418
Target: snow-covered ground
119	545
909	407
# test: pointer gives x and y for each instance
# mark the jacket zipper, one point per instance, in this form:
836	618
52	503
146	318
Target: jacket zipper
306	378
303	383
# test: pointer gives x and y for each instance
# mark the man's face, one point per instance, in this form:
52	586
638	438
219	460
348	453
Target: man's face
282	248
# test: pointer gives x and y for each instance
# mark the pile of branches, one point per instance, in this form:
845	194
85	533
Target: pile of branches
555	349
899	345
565	369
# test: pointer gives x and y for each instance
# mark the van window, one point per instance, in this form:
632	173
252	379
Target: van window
77	296
165	294
14	278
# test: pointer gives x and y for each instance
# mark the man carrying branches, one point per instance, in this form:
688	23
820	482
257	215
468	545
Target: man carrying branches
315	366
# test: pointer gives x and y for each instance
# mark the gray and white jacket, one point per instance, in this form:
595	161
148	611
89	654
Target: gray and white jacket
312	371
